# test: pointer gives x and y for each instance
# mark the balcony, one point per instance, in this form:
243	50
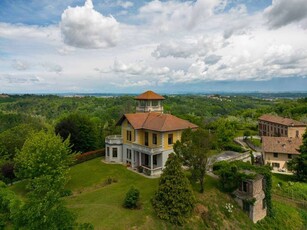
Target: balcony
146	149
114	140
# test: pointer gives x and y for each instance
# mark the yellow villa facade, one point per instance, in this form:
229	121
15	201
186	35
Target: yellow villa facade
147	136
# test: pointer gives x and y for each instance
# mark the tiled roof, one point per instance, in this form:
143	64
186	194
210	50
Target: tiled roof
149	95
157	122
281	145
281	120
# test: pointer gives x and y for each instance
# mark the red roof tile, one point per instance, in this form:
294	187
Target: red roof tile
149	95
157	122
281	120
286	145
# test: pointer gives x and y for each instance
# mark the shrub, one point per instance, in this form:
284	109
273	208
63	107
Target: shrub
89	156
140	169
132	198
234	147
66	192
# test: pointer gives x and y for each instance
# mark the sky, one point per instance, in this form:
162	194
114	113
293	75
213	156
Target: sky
118	46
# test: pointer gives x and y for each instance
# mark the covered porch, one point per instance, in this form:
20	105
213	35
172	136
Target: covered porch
149	164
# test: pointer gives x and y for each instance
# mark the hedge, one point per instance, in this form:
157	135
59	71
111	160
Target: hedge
89	156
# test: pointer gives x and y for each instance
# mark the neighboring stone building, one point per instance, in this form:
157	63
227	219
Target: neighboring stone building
281	138
147	136
276	126
277	151
251	197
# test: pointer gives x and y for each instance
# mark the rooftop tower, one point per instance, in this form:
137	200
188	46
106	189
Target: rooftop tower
149	102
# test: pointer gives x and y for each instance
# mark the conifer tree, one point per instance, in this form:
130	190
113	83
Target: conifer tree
174	200
299	163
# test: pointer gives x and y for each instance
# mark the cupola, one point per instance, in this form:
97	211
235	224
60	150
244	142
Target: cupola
149	102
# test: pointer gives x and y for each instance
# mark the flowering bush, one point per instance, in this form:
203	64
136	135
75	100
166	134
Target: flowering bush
228	208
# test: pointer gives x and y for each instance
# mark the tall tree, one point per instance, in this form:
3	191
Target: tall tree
194	149
14	138
44	160
299	163
81	130
225	132
174	200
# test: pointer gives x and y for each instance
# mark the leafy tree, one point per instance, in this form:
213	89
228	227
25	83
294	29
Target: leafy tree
225	133
194	149
43	208
44	160
299	163
43	153
132	198
174	200
9	204
14	138
81	130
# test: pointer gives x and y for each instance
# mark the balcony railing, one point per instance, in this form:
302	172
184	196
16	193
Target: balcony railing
146	149
114	139
149	108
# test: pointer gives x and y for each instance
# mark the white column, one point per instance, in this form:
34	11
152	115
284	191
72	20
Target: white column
151	162
140	158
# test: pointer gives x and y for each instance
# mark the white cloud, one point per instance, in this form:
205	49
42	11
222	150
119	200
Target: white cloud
137	68
51	67
20	31
175	15
84	27
65	50
284	12
212	59
176	43
131	83
17	79
189	47
125	4
20	65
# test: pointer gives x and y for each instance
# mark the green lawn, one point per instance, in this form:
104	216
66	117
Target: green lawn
284	185
94	201
100	204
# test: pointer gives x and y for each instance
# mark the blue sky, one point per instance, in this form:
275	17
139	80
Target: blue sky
116	46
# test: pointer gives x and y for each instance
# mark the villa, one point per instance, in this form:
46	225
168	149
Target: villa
147	136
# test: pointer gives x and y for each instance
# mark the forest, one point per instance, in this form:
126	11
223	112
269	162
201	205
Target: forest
23	114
